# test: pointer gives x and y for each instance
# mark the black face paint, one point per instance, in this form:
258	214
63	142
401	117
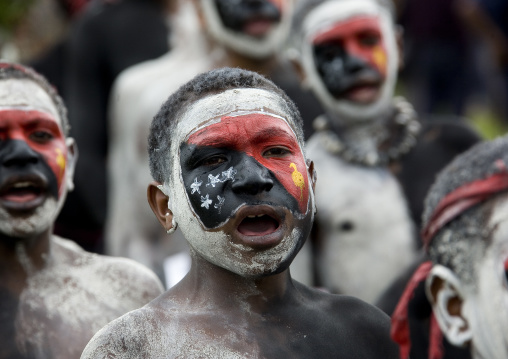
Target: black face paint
19	161
341	71
218	181
235	14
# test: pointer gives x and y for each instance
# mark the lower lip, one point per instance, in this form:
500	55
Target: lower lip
257	28
362	94
262	241
22	203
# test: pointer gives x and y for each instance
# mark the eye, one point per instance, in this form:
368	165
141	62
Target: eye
369	39
276	152
41	136
213	161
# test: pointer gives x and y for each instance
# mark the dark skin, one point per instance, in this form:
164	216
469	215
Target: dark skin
54	296
234	315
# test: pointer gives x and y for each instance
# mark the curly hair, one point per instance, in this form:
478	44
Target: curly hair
205	84
456	244
11	70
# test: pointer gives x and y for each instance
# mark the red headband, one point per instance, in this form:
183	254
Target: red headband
463	198
449	208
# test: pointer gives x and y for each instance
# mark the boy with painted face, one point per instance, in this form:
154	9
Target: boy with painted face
465	280
208	34
374	163
226	155
55	296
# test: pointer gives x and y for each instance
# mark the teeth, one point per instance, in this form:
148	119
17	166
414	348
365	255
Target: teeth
22	184
254	215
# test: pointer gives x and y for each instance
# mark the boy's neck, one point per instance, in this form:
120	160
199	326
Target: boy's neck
215	286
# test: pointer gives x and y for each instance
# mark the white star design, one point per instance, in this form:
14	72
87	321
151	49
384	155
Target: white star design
195	186
229	174
206	201
220	203
212	180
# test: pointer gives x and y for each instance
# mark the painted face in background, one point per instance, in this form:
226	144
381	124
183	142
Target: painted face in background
33	155
350	57
248	205
255	28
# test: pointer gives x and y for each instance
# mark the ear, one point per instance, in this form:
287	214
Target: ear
72	157
158	201
312	174
399	38
445	292
294	58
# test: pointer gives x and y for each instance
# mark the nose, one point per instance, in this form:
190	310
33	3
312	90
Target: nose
353	64
252	178
18	154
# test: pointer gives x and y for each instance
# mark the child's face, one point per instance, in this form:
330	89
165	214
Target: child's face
350	56
246	188
33	154
256	30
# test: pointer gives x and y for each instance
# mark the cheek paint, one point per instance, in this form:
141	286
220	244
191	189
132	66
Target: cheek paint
352	34
256	135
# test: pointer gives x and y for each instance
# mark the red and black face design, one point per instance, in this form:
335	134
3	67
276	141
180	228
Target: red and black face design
251	17
351	59
252	159
33	158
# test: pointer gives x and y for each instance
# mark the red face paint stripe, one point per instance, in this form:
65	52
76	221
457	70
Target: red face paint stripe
254	134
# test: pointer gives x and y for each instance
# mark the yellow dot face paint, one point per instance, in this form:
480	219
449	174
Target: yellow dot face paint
60	160
298	179
379	58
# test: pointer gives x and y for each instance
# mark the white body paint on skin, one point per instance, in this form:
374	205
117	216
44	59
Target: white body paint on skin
364	259
242	43
486	304
216	247
75	295
325	16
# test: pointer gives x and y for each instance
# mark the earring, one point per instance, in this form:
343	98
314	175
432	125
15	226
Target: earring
174	225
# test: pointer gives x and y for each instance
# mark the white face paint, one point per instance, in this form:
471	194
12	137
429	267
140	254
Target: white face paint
217	246
325	17
19	97
486	306
258	48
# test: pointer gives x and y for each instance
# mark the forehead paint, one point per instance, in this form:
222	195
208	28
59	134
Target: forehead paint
242	43
350	33
323	20
41	132
21	93
254	134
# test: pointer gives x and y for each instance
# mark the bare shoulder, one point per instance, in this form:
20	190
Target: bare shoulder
125	337
359	327
127	278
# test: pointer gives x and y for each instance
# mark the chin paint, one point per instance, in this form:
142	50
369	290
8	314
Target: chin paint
257	32
348	21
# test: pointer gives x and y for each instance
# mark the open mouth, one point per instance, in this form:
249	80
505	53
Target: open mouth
363	93
259	226
257	27
23	193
